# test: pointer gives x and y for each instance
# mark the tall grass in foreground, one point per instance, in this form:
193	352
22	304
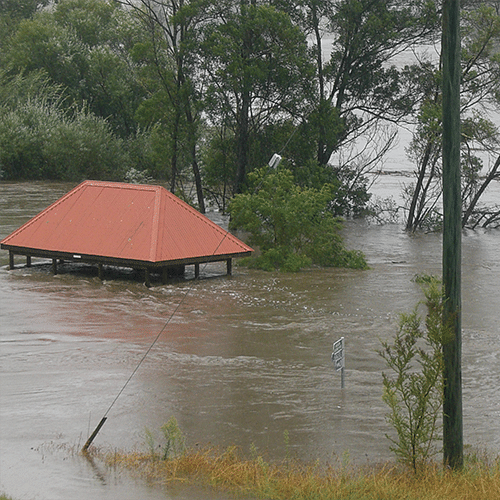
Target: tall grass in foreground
257	478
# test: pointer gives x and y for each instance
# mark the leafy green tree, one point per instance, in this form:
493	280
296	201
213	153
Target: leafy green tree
39	139
293	227
257	72
12	12
83	45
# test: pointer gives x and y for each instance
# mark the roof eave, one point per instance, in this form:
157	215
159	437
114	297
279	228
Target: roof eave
116	261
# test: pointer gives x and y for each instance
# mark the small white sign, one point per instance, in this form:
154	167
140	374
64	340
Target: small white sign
338	354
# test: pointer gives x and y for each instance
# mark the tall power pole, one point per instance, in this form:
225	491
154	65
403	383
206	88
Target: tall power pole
452	237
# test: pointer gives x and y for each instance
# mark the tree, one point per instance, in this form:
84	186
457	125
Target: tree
480	146
12	12
257	71
82	45
167	72
292	226
414	388
39	139
357	85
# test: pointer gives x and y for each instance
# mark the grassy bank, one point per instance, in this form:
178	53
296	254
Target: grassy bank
230	471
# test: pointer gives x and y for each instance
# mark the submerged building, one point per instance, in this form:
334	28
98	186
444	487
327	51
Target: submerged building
127	225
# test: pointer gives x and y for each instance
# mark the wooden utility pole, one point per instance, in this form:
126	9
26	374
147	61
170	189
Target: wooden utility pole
452	237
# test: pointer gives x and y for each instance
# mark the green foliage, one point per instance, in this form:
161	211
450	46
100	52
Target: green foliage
173	442
82	46
292	226
219	167
257	73
414	392
38	140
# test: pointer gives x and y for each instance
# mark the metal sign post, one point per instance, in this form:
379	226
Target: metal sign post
338	358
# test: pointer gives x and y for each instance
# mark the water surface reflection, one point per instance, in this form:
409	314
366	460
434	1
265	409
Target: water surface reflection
244	359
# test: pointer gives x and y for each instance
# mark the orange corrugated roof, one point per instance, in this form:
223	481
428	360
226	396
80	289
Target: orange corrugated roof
125	221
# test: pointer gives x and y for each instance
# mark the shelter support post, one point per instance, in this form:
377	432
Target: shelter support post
147	277
229	265
28	260
197	270
11	259
54	266
164	275
100	271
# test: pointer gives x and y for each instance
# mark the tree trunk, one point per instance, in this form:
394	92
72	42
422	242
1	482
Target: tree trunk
242	144
492	175
411	223
175	151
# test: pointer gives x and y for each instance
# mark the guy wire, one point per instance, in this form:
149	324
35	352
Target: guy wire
174	312
105	416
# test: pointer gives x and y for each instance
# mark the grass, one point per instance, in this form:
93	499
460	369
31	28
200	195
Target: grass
255	477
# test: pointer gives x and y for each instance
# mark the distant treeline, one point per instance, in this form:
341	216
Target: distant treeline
199	93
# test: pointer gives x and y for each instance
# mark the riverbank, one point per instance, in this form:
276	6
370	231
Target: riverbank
228	471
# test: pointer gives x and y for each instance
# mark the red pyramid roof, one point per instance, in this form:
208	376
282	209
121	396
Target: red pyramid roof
127	222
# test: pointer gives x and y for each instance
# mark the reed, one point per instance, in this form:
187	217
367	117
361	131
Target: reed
255	477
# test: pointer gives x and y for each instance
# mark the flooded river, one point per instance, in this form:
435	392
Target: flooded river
244	359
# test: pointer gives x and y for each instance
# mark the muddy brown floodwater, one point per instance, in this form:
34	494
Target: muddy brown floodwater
244	359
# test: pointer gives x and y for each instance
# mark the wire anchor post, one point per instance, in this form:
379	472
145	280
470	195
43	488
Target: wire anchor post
93	435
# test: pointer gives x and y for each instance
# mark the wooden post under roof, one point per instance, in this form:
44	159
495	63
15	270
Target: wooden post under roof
11	259
229	264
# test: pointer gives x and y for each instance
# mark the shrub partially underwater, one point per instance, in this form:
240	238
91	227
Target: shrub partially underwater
293	227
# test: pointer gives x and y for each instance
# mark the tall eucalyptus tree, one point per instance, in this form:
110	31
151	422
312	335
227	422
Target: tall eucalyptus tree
480	133
353	44
257	73
171	27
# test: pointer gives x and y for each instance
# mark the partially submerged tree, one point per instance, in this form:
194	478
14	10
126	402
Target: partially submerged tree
480	99
293	227
353	44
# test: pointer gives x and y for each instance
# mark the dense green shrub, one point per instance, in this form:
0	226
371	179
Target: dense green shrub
39	141
293	227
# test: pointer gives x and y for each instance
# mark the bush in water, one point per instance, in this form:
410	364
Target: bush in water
293	227
414	392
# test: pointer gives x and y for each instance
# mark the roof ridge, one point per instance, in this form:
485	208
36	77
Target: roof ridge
156	224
